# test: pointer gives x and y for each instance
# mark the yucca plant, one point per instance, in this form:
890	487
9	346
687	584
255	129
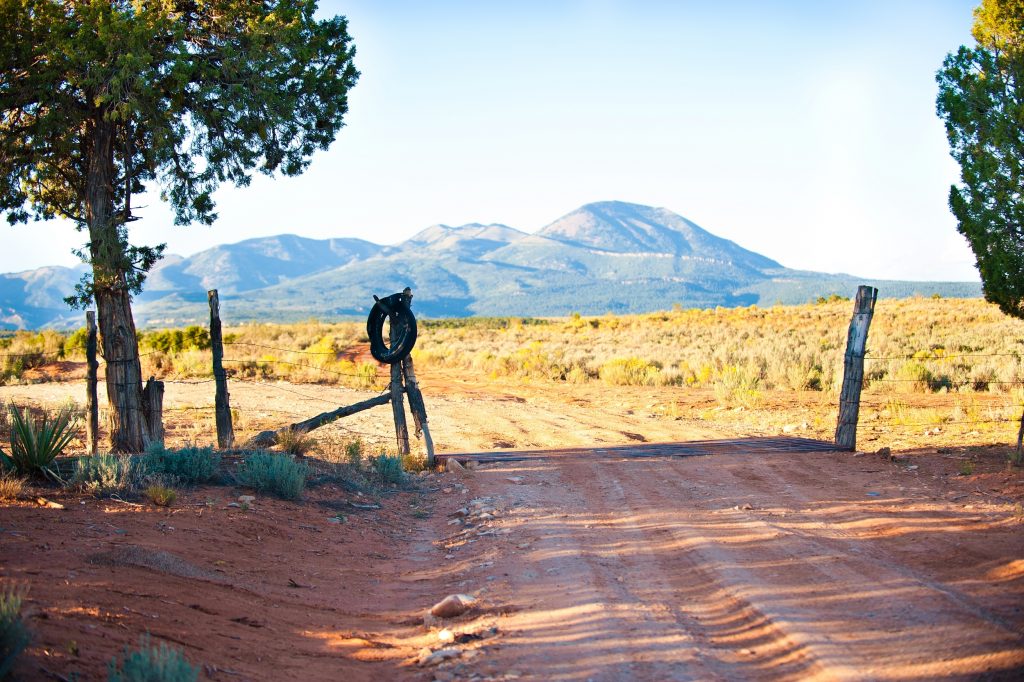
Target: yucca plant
36	443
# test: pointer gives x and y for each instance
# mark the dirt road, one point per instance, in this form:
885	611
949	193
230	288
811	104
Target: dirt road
587	566
741	567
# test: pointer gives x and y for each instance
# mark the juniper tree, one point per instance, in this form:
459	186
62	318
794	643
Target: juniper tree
100	98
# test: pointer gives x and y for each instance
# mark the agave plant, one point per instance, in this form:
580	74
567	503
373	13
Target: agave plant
36	443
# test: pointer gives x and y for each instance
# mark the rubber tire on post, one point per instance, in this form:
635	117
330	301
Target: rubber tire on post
401	319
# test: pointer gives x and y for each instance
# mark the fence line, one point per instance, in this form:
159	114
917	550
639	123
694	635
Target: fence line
944	357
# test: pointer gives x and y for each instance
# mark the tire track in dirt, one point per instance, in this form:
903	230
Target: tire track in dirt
648	569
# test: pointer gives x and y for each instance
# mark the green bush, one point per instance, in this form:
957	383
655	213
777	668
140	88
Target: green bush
14	636
177	340
737	386
189	465
388	468
106	474
152	664
35	443
354	452
275	473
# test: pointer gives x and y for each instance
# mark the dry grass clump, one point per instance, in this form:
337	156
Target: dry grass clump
22	350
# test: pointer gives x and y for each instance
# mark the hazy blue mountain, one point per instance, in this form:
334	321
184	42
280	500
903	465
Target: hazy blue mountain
603	257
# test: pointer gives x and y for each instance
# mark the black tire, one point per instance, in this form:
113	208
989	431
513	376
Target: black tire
402	319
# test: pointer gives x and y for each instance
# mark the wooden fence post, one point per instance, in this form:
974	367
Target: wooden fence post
419	409
225	431
397	402
853	367
153	406
92	407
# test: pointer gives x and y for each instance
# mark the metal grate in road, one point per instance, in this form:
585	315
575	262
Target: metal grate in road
746	446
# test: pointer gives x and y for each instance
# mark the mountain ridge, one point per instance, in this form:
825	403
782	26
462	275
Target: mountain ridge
605	256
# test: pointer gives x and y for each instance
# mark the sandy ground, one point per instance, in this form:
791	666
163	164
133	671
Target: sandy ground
586	565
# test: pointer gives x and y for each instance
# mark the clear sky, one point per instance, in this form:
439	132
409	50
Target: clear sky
805	131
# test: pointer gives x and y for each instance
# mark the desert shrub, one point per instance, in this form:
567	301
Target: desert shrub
354	452
388	468
14	636
275	473
178	340
295	442
915	376
632	371
161	494
152	664
189	465
737	386
35	443
11	485
104	474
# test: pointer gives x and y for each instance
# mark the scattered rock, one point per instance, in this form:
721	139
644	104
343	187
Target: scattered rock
514	479
453	605
471	464
234	504
461	512
428	658
452	465
885	452
49	504
246	499
446	636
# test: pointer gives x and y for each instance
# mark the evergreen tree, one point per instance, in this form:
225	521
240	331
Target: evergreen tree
99	98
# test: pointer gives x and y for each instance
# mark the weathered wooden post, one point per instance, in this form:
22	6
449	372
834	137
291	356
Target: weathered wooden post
853	367
397	403
419	409
153	406
92	407
222	407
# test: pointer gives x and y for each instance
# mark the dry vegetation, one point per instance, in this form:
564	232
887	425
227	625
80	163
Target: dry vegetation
949	366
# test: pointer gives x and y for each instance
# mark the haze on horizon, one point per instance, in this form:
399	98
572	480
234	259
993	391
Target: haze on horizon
805	131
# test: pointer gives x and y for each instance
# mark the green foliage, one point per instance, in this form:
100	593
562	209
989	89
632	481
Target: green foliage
35	443
388	468
178	340
276	473
105	474
129	93
152	664
14	636
354	452
189	465
981	101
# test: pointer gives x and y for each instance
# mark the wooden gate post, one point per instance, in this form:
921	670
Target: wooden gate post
92	408
225	431
397	403
153	406
419	409
853	367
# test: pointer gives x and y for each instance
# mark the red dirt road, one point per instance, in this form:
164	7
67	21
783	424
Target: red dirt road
730	566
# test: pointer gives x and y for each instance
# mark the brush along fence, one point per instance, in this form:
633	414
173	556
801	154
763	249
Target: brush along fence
394	311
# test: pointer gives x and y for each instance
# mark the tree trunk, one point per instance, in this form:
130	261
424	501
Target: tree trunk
128	428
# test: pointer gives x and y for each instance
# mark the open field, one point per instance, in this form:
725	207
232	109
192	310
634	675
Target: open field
882	564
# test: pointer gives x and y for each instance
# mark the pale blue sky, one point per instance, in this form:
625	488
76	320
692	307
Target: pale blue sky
805	131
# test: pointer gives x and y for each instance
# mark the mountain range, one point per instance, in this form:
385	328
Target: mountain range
608	256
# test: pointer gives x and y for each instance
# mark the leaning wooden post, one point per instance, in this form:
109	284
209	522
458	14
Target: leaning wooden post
92	408
222	407
397	403
853	367
419	409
